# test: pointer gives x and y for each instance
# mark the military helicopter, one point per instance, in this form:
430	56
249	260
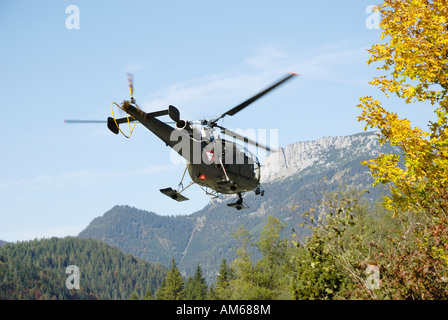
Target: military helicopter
215	164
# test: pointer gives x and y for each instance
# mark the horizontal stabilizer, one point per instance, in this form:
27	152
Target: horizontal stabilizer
173	194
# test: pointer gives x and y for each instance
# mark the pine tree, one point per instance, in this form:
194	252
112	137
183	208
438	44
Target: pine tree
134	296
225	275
211	293
173	286
148	295
196	287
273	264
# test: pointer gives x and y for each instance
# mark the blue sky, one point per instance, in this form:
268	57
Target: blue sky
204	57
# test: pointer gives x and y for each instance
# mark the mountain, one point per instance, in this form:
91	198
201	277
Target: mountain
296	175
327	151
145	234
36	270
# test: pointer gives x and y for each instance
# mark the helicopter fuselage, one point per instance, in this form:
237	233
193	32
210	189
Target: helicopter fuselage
218	164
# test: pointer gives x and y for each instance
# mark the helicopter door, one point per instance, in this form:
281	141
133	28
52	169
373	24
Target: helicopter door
231	157
247	163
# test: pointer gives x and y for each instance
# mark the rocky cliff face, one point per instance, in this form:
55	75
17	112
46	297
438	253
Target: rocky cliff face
296	157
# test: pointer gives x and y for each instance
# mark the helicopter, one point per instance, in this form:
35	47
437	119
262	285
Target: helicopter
217	165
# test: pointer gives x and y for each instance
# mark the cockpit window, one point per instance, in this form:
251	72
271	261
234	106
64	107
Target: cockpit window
250	160
240	160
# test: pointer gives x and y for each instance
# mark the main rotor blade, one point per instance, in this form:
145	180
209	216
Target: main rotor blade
244	104
131	83
243	138
85	121
119	121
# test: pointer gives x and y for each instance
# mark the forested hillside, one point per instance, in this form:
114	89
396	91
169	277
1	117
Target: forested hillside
145	234
204	237
37	270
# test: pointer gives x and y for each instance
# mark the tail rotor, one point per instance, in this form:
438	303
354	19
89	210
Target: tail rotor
114	125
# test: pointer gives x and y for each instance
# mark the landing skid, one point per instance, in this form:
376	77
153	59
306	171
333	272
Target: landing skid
176	195
238	204
173	194
259	191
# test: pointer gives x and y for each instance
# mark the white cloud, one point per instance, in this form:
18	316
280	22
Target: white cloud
204	96
269	56
333	65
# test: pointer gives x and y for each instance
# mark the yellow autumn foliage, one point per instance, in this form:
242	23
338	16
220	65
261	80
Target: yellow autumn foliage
414	56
